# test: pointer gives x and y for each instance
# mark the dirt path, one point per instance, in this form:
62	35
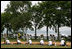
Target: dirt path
46	43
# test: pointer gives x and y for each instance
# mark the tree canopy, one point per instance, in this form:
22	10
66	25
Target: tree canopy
20	14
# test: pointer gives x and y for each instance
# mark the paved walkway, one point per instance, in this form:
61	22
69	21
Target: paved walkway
45	43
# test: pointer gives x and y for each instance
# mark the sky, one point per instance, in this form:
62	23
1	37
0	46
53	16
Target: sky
62	29
4	4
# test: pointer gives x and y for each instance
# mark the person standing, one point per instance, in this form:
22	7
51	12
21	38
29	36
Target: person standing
50	36
30	36
19	35
27	37
4	36
53	38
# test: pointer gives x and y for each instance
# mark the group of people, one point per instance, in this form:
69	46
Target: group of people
50	42
29	41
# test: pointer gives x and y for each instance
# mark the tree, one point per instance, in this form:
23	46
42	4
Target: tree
21	15
36	18
61	14
12	9
5	18
53	16
67	12
48	8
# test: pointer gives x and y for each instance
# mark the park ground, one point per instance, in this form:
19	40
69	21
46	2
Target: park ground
32	46
35	44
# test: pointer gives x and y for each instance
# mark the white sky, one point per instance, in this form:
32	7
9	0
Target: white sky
4	4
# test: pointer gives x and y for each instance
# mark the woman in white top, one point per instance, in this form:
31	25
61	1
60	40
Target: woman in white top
42	41
7	41
18	41
30	41
62	42
50	42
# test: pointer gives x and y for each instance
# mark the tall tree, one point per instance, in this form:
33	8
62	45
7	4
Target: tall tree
21	15
5	19
36	18
48	8
61	14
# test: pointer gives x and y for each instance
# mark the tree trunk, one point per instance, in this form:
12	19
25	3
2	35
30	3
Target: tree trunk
7	32
58	33
23	30
35	33
24	33
47	32
26	30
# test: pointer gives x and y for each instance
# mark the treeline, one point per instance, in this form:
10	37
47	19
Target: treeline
21	14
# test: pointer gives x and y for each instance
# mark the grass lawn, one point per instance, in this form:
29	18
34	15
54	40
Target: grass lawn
14	40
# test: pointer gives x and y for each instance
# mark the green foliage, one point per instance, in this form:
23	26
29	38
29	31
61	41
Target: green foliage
20	14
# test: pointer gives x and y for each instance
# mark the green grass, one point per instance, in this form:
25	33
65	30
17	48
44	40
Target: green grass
37	40
32	46
14	40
